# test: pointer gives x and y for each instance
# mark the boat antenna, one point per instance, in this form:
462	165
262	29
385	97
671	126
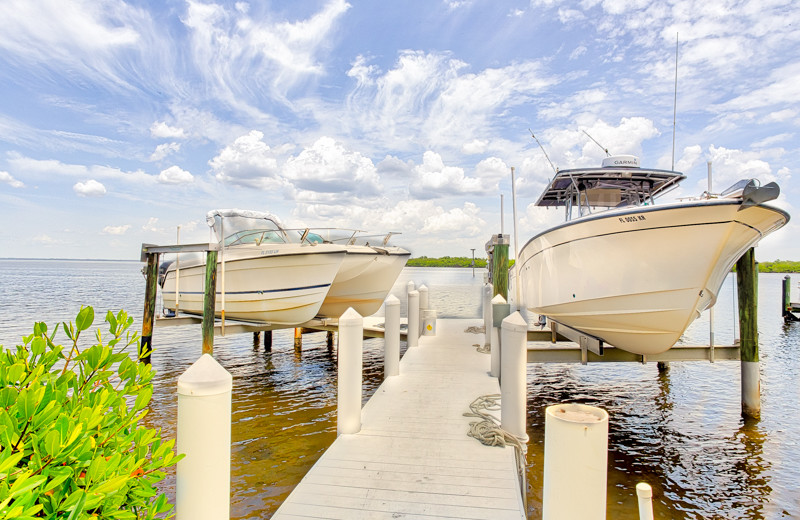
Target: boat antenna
675	102
608	154
555	170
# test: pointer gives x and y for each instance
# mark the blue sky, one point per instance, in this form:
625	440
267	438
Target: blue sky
121	121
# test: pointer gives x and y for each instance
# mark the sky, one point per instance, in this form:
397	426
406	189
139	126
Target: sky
121	121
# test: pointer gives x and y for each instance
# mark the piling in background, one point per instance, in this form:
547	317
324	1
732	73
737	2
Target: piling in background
424	302
204	436
256	339
151	287
209	302
500	311
500	265
298	338
788	308
645	494
329	339
513	400
412	337
391	338
268	340
747	285
351	341
575	460
487	315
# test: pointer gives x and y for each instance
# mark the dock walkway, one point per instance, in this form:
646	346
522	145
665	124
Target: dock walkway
412	457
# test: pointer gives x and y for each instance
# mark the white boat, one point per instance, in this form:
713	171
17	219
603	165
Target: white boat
262	275
364	279
634	274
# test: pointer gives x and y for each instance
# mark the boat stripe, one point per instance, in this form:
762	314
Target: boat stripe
320	286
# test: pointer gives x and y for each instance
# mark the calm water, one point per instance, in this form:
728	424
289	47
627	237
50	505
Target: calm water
681	431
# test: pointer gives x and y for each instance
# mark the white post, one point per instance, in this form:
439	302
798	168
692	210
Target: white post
351	344
410	286
645	494
513	398
487	314
203	486
391	337
500	310
575	458
412	337
423	305
178	276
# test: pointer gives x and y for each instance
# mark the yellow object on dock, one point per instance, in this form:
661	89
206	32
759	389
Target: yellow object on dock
412	457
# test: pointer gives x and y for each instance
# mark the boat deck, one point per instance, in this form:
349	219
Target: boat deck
412	457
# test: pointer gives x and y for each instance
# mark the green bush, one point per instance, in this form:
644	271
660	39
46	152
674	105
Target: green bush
71	442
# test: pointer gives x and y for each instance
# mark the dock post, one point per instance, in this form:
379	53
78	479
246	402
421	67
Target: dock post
412	336
298	338
351	345
256	339
391	338
500	311
151	287
487	315
788	308
500	265
209	302
575	462
424	302
204	436
645	494
747	285
329	339
513	396
268	340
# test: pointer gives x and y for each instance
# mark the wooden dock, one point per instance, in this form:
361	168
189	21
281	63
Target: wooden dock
413	457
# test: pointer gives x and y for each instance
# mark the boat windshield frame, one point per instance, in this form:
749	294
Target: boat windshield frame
606	187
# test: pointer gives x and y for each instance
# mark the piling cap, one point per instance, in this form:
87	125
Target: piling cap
205	377
643	490
392	300
515	323
577	413
350	316
499	299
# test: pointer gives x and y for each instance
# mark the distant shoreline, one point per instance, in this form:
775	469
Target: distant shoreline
68	259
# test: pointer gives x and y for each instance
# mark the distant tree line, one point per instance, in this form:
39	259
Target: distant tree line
779	266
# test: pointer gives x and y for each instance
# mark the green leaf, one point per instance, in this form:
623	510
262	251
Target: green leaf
8	396
85	318
25	483
144	397
110	486
8	460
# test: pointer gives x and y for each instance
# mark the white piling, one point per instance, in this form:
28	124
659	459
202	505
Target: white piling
203	481
645	494
391	337
412	338
500	310
575	459
351	345
424	304
487	314
513	398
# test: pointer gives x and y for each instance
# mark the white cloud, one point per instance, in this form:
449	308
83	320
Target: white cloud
6	178
175	175
248	162
434	179
163	150
475	146
328	167
465	221
90	188
161	130
50	168
116	230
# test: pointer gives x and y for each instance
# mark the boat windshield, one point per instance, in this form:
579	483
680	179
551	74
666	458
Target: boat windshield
255	236
234	223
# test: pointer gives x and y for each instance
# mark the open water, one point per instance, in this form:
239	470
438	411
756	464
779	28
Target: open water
680	431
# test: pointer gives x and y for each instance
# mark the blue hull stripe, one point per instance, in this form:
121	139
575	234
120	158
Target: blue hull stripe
320	286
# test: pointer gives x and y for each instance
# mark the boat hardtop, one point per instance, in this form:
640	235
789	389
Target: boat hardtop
618	182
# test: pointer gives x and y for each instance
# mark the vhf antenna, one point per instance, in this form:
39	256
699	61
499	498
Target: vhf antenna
675	102
598	144
555	170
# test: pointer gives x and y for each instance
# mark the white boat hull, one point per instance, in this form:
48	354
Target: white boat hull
280	284
365	278
637	277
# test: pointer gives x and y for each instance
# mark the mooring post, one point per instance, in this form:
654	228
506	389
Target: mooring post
329	339
256	339
423	304
747	285
351	345
788	311
209	302
412	334
500	265
487	315
645	494
391	338
298	338
575	462
513	397
500	311
268	340
204	436
151	287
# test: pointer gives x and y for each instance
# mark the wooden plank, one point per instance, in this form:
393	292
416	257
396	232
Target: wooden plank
412	456
540	352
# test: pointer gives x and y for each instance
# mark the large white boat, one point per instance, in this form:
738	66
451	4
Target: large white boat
631	273
263	275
